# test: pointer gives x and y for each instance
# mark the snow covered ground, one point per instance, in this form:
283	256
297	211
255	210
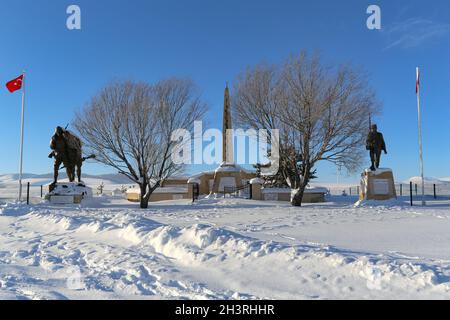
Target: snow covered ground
107	248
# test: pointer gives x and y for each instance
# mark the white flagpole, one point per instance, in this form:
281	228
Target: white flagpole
21	137
420	135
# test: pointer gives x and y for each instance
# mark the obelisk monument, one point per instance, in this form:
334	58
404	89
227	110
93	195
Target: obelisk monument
227	135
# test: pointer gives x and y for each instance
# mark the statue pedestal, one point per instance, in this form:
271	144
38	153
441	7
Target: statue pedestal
68	193
377	185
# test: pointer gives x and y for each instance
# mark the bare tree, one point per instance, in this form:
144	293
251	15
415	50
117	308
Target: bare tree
256	102
128	126
322	113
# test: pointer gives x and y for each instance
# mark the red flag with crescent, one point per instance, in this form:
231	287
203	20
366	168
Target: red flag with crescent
15	84
417	80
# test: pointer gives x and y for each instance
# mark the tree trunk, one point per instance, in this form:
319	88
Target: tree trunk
146	192
144	197
298	197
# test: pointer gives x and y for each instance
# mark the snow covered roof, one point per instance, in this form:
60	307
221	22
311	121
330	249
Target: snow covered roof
224	167
317	190
197	176
256	181
231	167
194	180
228	168
177	178
161	190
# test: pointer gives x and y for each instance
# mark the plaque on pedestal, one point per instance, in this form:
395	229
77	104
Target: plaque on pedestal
377	185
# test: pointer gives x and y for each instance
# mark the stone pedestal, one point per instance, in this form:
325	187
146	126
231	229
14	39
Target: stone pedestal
256	185
231	176
68	193
377	185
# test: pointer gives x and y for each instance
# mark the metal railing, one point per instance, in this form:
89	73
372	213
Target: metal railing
411	191
242	191
30	193
35	193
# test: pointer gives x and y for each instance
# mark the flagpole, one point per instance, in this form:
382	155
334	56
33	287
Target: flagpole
420	136
22	137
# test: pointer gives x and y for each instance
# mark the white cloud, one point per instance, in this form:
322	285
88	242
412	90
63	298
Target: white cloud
415	32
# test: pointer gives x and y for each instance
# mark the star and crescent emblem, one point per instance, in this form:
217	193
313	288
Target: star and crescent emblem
15	84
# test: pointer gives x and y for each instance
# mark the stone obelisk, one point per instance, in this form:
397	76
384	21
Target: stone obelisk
227	135
227	175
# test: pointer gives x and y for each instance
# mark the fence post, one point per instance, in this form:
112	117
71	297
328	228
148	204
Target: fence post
434	191
28	193
357	190
42	193
350	190
411	193
401	190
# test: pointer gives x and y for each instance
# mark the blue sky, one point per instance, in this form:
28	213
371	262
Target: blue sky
211	42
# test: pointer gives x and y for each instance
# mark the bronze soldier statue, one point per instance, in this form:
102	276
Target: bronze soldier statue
59	152
66	149
375	144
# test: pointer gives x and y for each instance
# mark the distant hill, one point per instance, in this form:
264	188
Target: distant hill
39	179
428	180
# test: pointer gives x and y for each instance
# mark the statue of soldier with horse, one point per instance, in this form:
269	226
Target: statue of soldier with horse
67	150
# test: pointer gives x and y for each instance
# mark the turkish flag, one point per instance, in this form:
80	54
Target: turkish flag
15	84
417	80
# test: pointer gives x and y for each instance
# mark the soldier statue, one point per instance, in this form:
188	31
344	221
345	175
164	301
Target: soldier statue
66	149
375	144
